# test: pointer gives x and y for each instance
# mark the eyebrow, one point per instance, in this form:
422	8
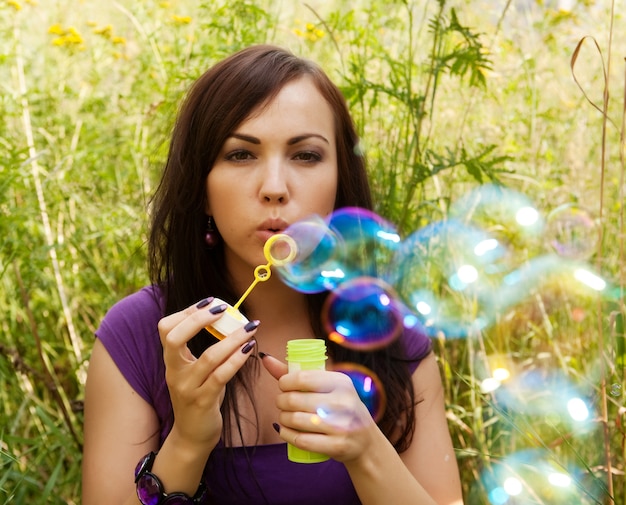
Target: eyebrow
290	142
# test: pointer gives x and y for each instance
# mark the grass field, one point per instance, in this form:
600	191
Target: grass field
448	96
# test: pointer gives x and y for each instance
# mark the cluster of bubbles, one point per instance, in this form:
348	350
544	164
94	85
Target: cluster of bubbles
453	278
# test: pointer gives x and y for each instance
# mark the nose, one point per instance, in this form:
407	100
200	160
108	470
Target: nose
274	186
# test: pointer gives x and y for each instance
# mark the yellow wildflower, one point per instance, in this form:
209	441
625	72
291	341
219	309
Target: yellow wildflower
311	33
181	20
15	4
70	38
56	29
105	31
165	5
120	41
91	23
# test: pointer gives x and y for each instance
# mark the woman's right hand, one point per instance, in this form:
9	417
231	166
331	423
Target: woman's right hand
197	385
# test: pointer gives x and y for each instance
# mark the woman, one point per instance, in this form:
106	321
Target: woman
262	140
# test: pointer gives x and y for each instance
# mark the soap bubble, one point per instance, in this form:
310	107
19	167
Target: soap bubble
315	267
509	216
367	385
545	395
447	274
572	232
369	242
544	274
362	314
534	476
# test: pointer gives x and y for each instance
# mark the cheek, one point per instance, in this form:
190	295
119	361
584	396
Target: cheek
218	191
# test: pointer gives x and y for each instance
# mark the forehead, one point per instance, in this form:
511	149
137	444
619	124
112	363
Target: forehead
299	101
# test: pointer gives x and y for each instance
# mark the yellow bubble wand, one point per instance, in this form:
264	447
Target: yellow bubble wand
232	318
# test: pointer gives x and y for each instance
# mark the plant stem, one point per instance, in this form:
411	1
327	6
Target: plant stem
75	342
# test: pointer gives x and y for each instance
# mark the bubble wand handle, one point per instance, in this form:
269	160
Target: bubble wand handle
261	274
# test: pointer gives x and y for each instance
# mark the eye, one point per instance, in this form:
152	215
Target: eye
308	156
239	155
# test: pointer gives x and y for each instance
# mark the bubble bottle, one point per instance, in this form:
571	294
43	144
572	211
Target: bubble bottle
305	354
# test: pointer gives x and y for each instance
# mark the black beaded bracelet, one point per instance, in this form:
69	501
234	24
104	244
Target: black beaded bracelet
150	489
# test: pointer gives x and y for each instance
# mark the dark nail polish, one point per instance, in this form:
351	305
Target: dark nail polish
262	355
276	427
218	309
248	347
251	325
204	303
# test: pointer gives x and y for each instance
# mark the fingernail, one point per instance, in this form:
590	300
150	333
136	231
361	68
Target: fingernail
218	308
276	427
204	303
248	347
252	325
262	355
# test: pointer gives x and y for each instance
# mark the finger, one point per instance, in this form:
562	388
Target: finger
274	366
309	422
303	439
218	376
168	323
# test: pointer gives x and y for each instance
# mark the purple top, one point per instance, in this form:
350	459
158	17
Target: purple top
239	475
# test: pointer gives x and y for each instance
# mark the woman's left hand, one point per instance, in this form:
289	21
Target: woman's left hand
322	412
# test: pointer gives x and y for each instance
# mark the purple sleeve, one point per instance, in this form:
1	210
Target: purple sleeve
417	345
130	335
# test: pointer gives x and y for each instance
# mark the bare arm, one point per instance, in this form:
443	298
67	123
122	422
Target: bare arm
427	472
120	427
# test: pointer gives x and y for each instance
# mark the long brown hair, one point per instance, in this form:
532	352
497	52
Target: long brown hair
179	260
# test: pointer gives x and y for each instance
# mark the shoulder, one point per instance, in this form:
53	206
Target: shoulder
131	325
145	305
129	332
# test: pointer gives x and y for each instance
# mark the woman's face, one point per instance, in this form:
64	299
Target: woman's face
277	167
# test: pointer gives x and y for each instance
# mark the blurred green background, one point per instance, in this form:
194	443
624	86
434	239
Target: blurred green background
447	95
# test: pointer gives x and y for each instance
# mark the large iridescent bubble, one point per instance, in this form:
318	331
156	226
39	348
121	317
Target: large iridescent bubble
447	273
367	385
369	242
533	389
571	232
505	213
363	314
318	259
350	243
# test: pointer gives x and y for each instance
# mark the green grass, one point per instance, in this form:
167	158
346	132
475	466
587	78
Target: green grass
447	95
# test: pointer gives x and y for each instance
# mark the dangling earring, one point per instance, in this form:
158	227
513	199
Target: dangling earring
211	236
